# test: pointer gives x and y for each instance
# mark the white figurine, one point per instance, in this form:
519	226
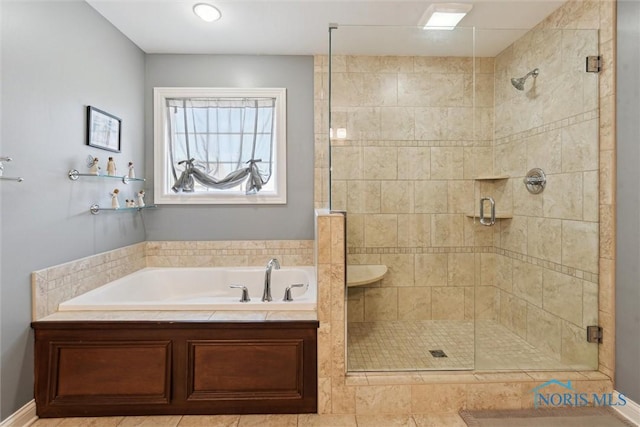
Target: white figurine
94	169
111	167
141	198
132	173
115	204
130	203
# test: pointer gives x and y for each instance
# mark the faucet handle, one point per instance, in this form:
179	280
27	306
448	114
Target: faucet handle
287	291
245	292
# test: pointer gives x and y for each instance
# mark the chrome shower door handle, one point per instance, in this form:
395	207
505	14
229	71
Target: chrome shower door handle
492	219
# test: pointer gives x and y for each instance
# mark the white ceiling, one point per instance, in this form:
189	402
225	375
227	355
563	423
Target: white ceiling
300	27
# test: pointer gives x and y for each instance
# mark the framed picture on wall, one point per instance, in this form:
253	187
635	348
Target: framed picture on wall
103	129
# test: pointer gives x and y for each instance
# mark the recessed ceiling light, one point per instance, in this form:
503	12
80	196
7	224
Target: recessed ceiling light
444	16
206	12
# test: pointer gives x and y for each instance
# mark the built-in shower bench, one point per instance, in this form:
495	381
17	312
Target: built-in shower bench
359	275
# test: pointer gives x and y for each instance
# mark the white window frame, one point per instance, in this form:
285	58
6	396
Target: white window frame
162	193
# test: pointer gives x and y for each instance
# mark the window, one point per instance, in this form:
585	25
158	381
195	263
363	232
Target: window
220	145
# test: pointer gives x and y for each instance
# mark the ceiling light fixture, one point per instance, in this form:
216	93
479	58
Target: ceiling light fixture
444	16
206	12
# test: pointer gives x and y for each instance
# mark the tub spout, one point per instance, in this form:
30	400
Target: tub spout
266	294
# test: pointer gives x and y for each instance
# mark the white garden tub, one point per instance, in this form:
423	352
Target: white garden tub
200	289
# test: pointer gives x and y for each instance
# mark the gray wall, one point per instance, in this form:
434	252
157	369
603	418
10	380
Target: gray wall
226	222
58	57
627	379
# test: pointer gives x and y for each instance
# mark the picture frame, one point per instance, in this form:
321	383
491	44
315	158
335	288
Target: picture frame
104	130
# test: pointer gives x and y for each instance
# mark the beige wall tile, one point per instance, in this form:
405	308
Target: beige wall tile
383	399
580	245
355	230
563	296
504	273
590	196
346	162
447	163
414	303
488	269
431	123
486	304
545	238
381	162
363	196
513	314
431	269
544	151
379	89
575	348
461	271
381	230
447	230
430	398
527	282
415	163
460	197
525	203
514	234
355	304
343	399
397	123
447	303
580	147
562	197
414	230
400	269
544	331
431	196
430	89
396	197
478	161
494	395
380	304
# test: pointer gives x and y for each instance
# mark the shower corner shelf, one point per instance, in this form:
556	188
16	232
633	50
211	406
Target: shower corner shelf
499	215
491	177
95	209
74	174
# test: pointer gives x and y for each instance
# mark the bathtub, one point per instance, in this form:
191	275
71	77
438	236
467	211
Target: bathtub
205	288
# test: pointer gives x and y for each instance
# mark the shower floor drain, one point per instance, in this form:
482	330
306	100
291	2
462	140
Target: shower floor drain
438	353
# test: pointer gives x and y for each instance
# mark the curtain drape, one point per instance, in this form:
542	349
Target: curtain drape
219	143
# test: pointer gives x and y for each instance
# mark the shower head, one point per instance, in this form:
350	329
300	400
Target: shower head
519	83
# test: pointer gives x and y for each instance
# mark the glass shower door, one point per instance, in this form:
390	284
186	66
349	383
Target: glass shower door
403	157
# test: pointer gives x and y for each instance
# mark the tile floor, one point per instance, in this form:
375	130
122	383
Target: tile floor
303	420
404	346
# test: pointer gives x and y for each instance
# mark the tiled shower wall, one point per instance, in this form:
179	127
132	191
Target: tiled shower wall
405	176
564	263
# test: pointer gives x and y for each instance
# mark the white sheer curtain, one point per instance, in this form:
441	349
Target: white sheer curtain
218	143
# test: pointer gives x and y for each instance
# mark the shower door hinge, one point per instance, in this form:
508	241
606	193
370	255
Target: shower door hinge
594	334
594	64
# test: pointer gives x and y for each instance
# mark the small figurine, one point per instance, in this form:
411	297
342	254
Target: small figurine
115	204
94	169
130	203
141	198
132	173
111	167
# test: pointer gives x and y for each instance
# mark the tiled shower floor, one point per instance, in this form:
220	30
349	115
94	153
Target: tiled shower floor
404	346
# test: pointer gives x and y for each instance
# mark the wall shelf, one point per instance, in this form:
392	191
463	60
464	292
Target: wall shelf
491	177
501	215
74	174
95	209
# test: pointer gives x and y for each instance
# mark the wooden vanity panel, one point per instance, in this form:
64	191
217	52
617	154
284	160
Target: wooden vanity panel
112	370
97	368
268	368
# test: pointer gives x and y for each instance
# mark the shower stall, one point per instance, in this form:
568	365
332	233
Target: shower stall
467	163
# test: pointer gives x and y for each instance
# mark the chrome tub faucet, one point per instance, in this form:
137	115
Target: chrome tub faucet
266	294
